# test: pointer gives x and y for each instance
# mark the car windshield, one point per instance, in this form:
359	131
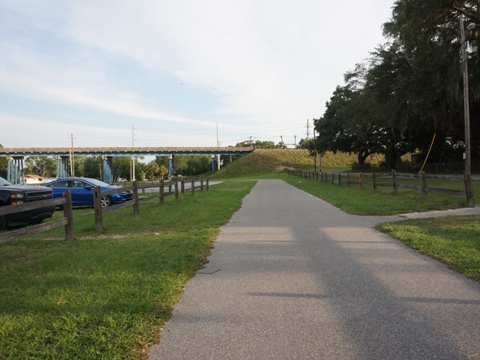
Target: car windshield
97	182
4	182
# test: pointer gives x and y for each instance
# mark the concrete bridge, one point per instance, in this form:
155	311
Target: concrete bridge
64	156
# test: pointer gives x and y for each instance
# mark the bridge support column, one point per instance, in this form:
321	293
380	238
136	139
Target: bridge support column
107	175
63	167
171	170
213	162
15	170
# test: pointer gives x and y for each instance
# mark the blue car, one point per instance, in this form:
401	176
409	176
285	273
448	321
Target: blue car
82	191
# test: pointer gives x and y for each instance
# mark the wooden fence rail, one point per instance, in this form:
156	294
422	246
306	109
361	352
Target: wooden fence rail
66	203
98	194
393	181
66	221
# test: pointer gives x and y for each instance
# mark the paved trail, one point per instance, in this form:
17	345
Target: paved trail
292	277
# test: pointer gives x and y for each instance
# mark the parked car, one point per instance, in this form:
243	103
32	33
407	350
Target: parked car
82	189
11	195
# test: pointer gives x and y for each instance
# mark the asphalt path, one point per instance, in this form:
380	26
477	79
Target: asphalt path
292	277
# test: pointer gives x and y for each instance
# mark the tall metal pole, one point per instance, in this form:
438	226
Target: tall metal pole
314	150
72	159
466	104
133	157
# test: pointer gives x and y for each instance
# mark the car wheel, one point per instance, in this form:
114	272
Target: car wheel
3	223
106	202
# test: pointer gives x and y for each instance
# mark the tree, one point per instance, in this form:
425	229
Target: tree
40	165
3	165
427	33
348	124
121	167
154	171
258	144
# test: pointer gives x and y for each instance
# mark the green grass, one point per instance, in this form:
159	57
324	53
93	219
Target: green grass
455	241
366	201
268	162
106	295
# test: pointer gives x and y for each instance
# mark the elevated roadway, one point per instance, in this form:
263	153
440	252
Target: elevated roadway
125	151
64	156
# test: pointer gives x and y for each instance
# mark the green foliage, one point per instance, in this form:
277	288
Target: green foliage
40	165
3	165
187	165
258	144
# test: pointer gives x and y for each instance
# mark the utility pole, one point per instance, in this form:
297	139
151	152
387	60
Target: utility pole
466	105
308	130
314	152
466	109
72	158
218	156
133	156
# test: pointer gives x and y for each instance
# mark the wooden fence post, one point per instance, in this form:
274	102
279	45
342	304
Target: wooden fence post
201	184
162	192
348	179
68	213
360	179
136	207
176	188
394	181
183	188
208	184
193	186
339	179
424	184
469	189
333	178
374	180
97	208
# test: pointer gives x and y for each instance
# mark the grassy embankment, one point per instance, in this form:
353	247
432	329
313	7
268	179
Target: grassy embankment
106	295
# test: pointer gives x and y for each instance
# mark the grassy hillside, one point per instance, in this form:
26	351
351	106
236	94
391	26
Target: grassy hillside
265	161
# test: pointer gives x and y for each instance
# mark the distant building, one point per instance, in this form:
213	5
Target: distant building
33	180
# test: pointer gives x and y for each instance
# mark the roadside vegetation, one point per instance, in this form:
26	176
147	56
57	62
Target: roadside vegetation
107	294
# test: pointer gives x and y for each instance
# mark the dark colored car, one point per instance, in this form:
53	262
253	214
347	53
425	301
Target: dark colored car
82	191
11	195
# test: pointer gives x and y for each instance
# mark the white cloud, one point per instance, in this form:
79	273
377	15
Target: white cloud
269	64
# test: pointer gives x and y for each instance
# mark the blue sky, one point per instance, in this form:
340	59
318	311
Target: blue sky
170	73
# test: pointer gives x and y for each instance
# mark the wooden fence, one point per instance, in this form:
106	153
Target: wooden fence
66	221
175	187
136	199
375	180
